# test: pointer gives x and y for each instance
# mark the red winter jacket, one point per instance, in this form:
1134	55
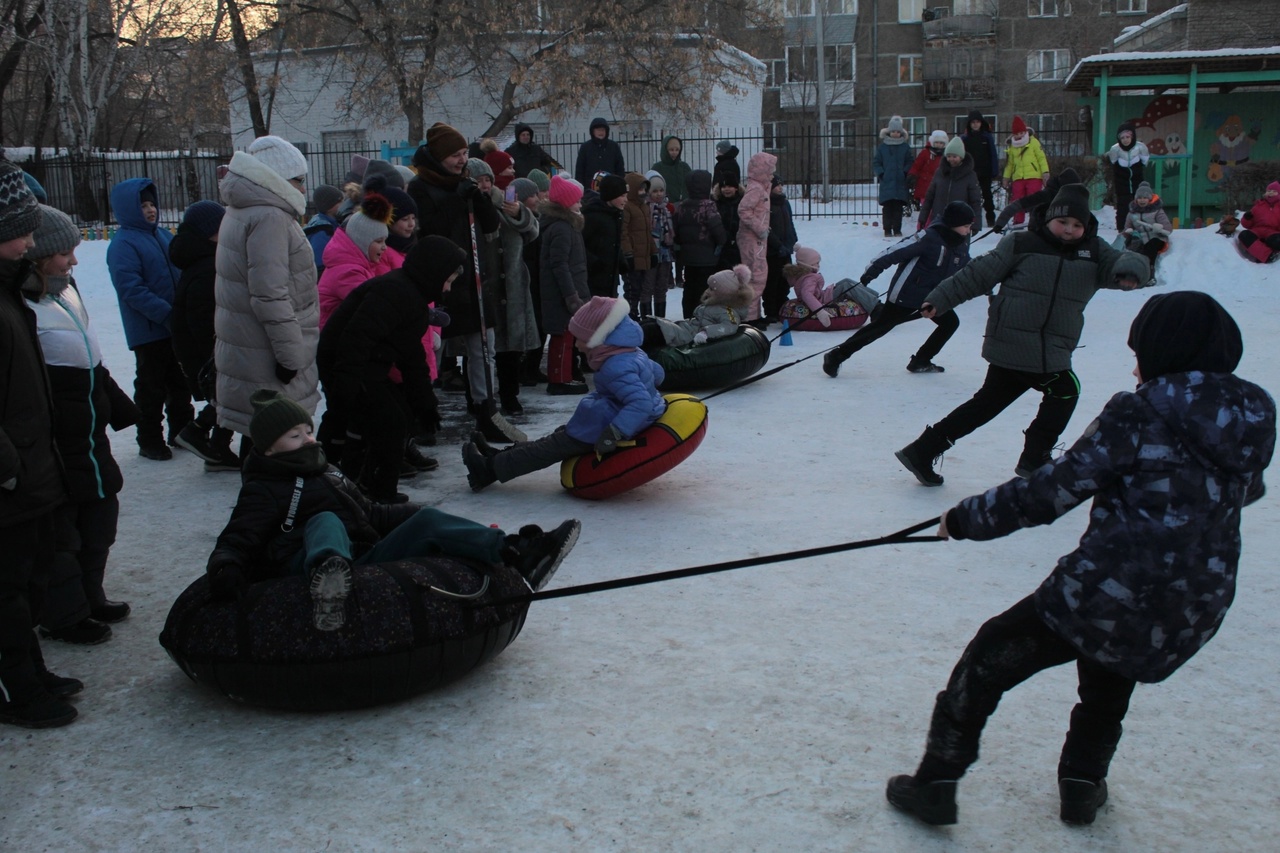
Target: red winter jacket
1264	218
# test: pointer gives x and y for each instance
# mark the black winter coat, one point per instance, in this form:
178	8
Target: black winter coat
727	167
443	212
602	235
730	255
379	325
253	540
598	155
782	228
924	263
563	264
699	231
27	451
193	303
528	157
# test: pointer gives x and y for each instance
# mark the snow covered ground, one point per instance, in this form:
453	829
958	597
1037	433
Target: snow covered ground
761	709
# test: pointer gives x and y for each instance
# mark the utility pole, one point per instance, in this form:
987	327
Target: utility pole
823	146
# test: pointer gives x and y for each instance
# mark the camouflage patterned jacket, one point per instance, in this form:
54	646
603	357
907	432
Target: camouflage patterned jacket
1169	468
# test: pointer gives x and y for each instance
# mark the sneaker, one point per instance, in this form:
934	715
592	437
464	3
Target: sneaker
831	364
918	366
43	711
1081	800
330	585
565	389
479	467
58	686
536	555
1028	465
158	452
87	632
110	611
934	802
196	440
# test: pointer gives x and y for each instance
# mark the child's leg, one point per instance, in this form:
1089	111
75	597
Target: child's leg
632	283
695	284
776	288
323	536
886	317
96	524
149	390
521	459
1061	392
1123	201
1000	388
1007	650
27	547
1095	723
385	427
430	531
64	601
662	283
946	327
177	403
648	290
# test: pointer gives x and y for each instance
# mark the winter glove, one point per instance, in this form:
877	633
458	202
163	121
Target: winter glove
285	374
226	583
628	264
608	441
700	338
866	279
1002	221
467	189
573	303
438	317
824	317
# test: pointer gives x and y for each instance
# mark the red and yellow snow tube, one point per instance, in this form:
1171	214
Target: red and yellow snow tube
666	443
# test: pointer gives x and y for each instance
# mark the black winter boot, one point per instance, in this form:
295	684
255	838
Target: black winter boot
479	467
1081	800
531	368
918	456
932	802
536	554
831	362
507	367
1037	451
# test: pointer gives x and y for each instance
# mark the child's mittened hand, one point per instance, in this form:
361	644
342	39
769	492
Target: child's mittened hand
927	311
824	317
700	338
942	528
438	317
285	374
1128	282
608	441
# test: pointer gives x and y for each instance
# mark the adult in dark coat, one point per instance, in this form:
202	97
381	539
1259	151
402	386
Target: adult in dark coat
602	234
378	326
980	143
31	485
598	154
526	154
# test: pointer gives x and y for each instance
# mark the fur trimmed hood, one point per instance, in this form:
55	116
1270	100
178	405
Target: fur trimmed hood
549	211
246	166
793	272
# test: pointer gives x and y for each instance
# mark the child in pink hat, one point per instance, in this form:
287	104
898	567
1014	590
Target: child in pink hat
625	400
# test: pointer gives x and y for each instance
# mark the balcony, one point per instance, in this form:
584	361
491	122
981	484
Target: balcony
960	90
960	27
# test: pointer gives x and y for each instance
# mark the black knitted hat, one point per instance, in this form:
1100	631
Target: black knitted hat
1183	331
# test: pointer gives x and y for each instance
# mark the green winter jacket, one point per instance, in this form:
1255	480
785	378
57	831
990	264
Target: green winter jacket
1034	322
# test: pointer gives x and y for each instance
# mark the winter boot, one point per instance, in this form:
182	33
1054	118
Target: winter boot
536	555
918	456
933	802
225	459
419	461
479	467
530	369
924	365
507	367
59	687
196	440
831	362
87	632
110	611
330	585
494	426
485	448
660	306
1037	452
1081	800
42	711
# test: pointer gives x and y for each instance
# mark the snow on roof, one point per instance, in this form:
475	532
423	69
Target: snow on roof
1154	21
1169	55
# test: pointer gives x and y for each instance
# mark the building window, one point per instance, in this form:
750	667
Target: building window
917	130
1048	8
1047	66
775	135
910	11
842	134
910	69
804	8
776	69
802	63
1131	7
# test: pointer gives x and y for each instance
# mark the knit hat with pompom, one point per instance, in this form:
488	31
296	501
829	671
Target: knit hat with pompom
369	223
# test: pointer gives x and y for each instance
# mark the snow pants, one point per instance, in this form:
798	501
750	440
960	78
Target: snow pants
427	532
1060	393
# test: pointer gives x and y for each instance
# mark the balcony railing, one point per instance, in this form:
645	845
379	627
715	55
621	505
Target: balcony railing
960	26
960	89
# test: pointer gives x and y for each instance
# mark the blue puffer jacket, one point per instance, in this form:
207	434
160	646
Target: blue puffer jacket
890	165
1169	468
626	394
138	260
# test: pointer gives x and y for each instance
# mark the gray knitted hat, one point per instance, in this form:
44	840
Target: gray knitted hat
56	234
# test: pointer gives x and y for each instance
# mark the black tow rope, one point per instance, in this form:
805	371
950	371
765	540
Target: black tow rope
902	536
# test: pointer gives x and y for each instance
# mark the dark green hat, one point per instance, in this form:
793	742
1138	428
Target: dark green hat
274	414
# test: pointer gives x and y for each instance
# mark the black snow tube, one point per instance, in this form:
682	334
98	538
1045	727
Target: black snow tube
401	637
714	364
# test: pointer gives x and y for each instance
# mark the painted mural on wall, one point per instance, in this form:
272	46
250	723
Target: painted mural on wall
1230	130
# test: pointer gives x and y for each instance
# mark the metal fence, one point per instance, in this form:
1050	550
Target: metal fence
82	187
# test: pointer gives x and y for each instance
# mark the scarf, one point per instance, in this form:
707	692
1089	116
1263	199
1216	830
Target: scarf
306	461
597	356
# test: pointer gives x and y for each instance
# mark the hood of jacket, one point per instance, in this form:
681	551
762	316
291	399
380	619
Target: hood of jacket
666	158
976	115
598	122
1240	446
635	183
760	168
431	261
521	128
549	211
627	334
249	183
698	184
126	203
188	247
1121	129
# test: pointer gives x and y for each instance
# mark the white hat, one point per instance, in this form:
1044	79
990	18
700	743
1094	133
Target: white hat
280	156
938	137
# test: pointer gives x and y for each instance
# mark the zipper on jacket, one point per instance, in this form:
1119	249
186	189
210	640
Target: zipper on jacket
93	412
1053	298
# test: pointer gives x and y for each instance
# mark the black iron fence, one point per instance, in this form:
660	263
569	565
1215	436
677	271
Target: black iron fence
81	187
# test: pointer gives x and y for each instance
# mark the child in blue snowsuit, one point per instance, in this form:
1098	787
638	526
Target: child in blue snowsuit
1169	467
625	401
145	282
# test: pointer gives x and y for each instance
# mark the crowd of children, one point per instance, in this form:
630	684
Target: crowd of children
230	312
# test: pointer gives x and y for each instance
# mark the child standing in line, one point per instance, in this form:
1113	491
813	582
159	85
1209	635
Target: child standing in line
296	515
85	401
194	250
723	309
954	180
890	165
1047	276
563	279
926	163
700	234
639	251
1147	228
782	242
145	281
922	264
1026	168
624	402
327	199
660	278
1169	468
753	227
